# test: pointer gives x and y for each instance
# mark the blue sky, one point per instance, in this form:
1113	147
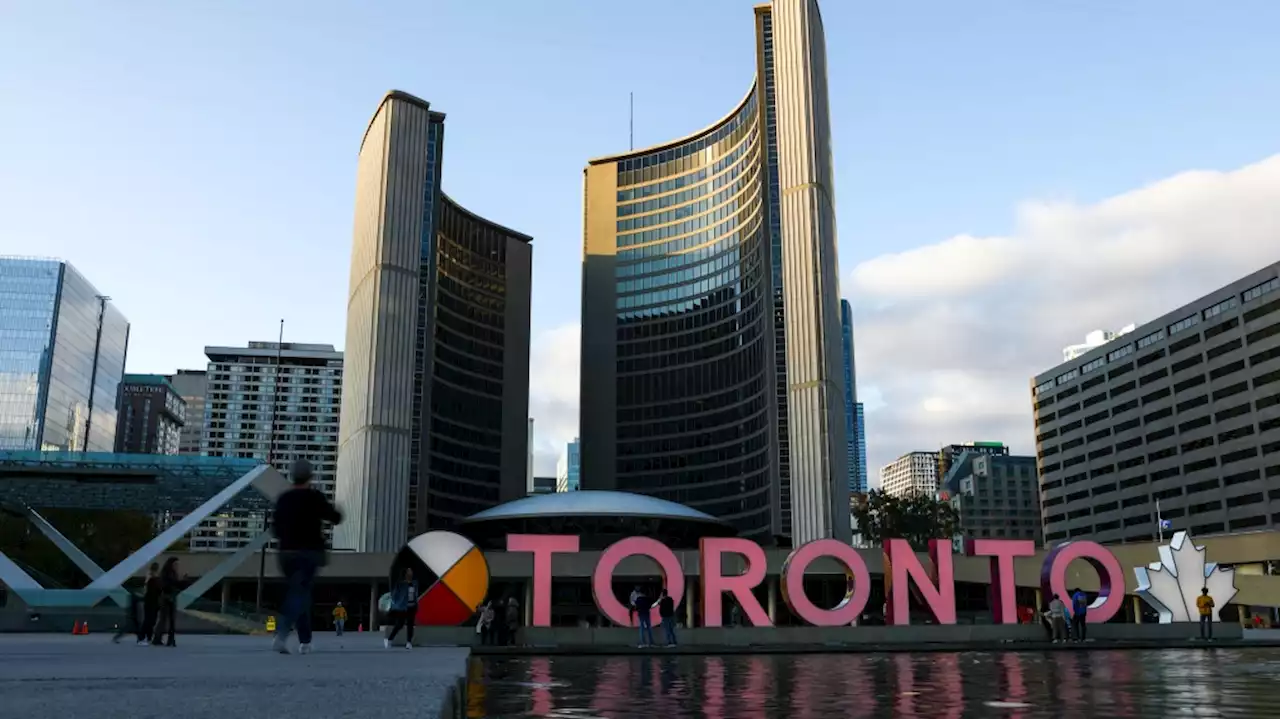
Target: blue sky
196	160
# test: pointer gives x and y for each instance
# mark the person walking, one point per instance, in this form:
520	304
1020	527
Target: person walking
1058	619
151	591
404	609
512	620
299	518
339	619
644	621
1205	604
170	585
1079	615
667	611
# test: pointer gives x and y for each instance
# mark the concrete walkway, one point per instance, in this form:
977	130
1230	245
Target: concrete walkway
227	677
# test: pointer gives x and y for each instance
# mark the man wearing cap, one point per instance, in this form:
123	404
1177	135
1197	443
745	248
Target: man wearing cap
300	514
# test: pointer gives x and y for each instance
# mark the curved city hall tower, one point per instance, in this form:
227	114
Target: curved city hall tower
712	367
435	395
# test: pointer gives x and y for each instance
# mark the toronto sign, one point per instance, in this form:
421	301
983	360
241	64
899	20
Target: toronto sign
453	568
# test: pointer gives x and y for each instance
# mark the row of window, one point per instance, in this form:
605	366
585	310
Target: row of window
733	169
688	149
1180	326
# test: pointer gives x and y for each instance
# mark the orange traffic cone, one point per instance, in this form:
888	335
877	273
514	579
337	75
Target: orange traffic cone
360	627
84	627
75	628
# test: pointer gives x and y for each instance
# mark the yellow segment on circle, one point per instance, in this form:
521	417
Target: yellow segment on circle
469	578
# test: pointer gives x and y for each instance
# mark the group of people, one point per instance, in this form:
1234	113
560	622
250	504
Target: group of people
1073	625
640	608
498	622
159	605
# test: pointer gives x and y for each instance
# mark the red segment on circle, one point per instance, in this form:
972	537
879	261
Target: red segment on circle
440	607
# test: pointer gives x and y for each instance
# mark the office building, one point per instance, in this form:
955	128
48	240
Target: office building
435	416
569	469
152	415
191	386
711	343
275	403
62	353
856	439
948	455
914	472
1183	412
1093	340
860	476
995	496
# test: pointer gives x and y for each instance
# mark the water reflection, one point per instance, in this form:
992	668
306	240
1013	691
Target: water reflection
1199	683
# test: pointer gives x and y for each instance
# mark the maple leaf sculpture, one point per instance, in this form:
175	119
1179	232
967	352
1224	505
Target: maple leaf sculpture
1172	584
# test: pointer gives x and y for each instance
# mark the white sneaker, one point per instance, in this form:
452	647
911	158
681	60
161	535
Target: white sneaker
408	645
304	648
281	644
386	643
144	643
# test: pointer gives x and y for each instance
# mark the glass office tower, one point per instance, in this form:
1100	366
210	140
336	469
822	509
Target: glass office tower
711	347
62	354
856	439
435	405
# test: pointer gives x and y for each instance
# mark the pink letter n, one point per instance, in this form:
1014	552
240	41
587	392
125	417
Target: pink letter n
937	588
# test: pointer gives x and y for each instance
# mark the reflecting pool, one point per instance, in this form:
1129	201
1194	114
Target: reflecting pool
1075	684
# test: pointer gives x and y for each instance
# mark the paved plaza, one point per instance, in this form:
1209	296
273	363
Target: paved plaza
227	677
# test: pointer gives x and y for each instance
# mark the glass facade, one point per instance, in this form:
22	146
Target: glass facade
857	443
62	356
463	456
569	469
694	374
28	303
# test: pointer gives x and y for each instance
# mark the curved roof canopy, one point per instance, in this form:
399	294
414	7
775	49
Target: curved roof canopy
595	503
600	516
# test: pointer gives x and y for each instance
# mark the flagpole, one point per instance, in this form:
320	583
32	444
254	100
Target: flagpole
1159	523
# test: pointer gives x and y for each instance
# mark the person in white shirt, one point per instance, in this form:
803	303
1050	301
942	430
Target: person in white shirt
1057	616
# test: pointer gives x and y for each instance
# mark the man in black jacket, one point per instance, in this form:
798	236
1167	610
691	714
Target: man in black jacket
300	515
667	611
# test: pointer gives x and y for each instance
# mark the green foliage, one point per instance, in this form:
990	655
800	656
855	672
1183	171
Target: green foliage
107	537
916	517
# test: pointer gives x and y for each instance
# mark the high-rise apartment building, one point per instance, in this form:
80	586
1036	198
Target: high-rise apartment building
62	354
855	436
152	415
711	343
995	496
569	469
914	472
272	402
436	408
191	386
1183	412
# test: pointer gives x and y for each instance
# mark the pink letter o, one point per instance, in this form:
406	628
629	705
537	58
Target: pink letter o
602	580
1053	577
850	608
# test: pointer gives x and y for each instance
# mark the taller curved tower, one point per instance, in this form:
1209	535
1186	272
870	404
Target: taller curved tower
712	368
435	399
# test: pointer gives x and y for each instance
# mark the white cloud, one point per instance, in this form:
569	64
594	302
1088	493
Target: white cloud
553	393
949	335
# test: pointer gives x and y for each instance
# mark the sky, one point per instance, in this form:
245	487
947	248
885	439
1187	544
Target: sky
1009	175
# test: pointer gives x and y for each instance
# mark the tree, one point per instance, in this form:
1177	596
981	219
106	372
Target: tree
916	517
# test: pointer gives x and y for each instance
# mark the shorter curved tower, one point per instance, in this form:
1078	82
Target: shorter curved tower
436	380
